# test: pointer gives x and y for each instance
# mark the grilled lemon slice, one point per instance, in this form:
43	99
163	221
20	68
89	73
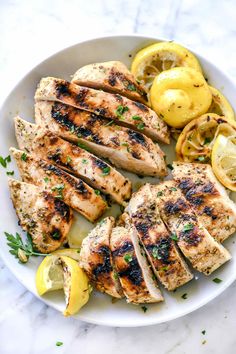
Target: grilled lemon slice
158	57
197	138
224	160
179	95
62	272
220	105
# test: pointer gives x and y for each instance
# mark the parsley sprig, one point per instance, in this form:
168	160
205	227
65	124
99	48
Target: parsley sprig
19	249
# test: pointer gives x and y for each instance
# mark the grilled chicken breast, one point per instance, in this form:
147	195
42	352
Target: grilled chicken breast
73	191
131	264
111	76
215	210
96	259
45	218
43	144
112	106
198	246
124	147
164	257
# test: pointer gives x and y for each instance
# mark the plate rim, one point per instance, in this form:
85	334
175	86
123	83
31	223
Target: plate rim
10	265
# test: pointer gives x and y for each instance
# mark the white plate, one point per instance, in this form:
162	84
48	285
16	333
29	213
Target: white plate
100	309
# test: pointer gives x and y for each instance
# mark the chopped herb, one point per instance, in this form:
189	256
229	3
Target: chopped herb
109	123
155	253
136	118
173	189
68	159
5	161
56	235
127	145
97	191
141	126
131	87
46	179
204	332
106	170
184	296
217	280
115	275
165	268
207	141
19	249
174	237
188	227
72	129
204	341
144	308
84	161
170	166
10	173
59	344
201	158
128	258
59	188
159	194
24	156
83	146
121	110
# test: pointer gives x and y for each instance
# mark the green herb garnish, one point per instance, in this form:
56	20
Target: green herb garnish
128	258
19	249
217	280
68	159
131	87
106	170
59	344
10	173
121	110
155	253
159	194
59	189
201	158
84	161
204	332
170	166
82	146
173	189
184	296
165	268
141	126
188	227
24	156
136	118
46	179
5	161
174	237
207	141
97	191
144	308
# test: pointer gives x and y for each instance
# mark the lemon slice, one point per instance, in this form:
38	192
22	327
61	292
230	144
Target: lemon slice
69	252
224	160
62	272
220	105
179	95
158	57
197	138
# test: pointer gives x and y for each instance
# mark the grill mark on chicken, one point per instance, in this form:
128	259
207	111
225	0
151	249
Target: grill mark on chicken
62	209
137	137
141	106
133	272
126	247
161	249
175	207
106	266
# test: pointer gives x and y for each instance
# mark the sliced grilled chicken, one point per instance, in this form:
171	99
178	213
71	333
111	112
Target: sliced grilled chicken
73	191
45	218
215	210
124	147
198	246
111	76
164	257
112	106
132	267
96	259
44	144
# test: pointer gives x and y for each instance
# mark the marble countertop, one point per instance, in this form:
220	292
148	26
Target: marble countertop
31	31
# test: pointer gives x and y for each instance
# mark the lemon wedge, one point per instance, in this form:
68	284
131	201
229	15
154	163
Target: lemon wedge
69	252
224	161
179	95
220	105
158	57
62	272
197	138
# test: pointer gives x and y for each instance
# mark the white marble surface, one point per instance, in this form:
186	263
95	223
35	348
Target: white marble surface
32	30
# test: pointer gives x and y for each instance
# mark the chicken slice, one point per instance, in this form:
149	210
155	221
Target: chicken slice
112	106
111	76
215	210
44	144
197	245
124	147
73	191
136	277
45	218
163	255
96	259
